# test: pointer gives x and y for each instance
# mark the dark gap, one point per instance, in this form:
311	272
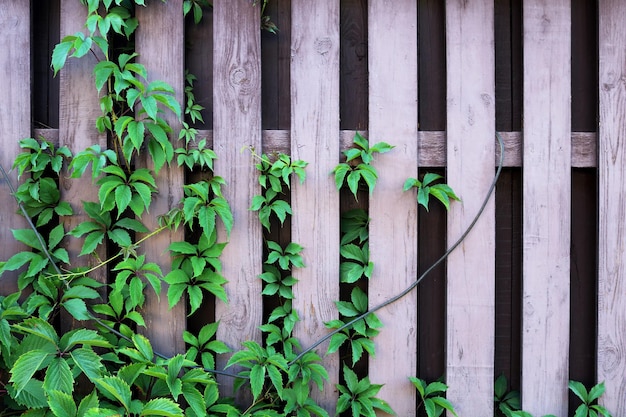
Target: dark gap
583	259
432	65
584	65
508	61
508	200
583	281
199	62
431	292
275	68
353	84
45	35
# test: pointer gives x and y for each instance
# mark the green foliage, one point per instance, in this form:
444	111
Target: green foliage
426	188
509	405
196	269
359	335
358	166
359	396
275	179
507	401
588	408
431	397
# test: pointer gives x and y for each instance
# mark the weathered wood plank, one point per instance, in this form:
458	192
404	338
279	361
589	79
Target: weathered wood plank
315	138
15	121
470	151
546	206
611	205
393	97
237	123
164	60
78	109
431	145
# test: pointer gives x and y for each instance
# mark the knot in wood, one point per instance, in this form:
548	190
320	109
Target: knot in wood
323	45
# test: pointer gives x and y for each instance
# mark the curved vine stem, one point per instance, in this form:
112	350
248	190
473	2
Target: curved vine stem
421	277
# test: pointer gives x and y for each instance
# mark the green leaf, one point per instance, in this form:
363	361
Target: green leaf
77	308
59	376
257	379
578	389
88	362
336	341
60	53
115	389
142	344
61	403
596	391
26	366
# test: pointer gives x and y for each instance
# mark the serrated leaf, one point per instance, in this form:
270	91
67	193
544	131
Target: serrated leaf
115	389
77	308
59	376
26	366
88	362
61	403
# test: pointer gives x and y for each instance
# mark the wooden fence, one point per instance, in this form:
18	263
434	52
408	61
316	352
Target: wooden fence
537	290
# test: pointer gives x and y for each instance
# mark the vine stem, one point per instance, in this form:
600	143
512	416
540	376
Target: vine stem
415	283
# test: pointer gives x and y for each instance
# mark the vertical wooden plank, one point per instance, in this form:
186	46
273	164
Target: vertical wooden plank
315	138
393	229
15	121
160	45
546	206
237	123
470	155
611	205
78	109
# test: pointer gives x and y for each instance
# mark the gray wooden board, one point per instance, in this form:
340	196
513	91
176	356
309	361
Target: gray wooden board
393	228
470	152
237	124
164	61
15	122
315	139
611	366
546	207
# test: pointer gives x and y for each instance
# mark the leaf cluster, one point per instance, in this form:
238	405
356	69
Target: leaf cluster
358	165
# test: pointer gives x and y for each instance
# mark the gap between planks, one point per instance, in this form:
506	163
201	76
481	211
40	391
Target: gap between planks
432	146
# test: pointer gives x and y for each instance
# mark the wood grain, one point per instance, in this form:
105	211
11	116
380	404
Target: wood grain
78	109
470	152
163	61
237	123
315	139
611	365
546	206
15	122
393	229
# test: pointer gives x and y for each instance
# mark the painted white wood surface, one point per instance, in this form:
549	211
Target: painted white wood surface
79	107
392	60
546	206
237	123
15	121
611	205
164	60
471	268
315	204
